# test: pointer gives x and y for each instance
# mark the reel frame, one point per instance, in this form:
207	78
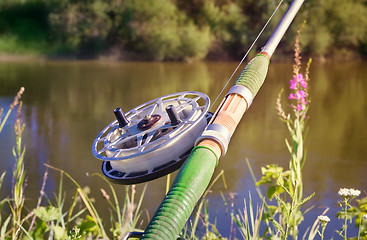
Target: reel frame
154	138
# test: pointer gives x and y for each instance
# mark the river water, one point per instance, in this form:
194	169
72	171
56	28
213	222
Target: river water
67	103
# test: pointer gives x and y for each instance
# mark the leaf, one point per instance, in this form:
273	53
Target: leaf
288	146
271	191
2	178
263	180
304	200
88	225
2	202
3	228
60	233
286	207
270	173
47	214
280	182
362	204
277	225
39	231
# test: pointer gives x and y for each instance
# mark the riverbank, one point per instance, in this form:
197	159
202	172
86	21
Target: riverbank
280	58
175	30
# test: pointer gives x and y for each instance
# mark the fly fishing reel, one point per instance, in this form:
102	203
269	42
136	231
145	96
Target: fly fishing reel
153	139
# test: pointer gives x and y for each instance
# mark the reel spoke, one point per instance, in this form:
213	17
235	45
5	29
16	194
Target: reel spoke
134	121
139	142
117	153
102	150
103	139
153	108
144	140
125	140
187	103
160	105
148	137
133	116
107	148
120	139
182	107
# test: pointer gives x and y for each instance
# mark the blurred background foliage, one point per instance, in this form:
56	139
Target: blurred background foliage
176	30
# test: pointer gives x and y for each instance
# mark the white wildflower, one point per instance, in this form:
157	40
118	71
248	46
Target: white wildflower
324	219
348	192
354	192
365	217
343	192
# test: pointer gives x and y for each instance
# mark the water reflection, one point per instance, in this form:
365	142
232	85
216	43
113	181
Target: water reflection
66	104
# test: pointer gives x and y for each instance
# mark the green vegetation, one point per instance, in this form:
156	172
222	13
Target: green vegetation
278	216
336	28
174	29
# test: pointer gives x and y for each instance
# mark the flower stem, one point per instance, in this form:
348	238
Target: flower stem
345	220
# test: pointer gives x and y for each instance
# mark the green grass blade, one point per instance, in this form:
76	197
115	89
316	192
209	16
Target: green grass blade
4	227
4	119
141	199
71	209
278	226
88	203
116	207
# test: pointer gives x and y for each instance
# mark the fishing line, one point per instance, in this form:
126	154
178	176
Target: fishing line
248	51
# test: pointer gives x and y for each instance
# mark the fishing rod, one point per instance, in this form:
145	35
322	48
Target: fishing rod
177	131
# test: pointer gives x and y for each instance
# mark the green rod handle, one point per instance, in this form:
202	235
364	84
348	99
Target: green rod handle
254	73
189	185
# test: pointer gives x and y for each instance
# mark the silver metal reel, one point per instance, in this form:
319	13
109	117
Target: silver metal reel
152	139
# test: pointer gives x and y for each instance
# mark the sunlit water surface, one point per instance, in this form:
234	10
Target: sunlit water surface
67	103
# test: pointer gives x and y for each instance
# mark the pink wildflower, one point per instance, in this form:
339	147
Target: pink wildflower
303	83
296	81
300	107
302	80
299	95
299	85
293	83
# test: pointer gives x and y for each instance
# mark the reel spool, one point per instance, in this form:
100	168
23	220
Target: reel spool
153	139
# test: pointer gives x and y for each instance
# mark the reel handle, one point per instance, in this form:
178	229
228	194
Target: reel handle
121	118
173	115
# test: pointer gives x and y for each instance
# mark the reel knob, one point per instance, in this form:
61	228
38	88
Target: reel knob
173	115
121	118
153	139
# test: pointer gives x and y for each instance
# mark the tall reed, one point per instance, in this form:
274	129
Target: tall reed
18	176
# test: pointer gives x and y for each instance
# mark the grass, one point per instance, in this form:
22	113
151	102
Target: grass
10	44
13	45
55	220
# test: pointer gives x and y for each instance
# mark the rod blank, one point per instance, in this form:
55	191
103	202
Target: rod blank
282	27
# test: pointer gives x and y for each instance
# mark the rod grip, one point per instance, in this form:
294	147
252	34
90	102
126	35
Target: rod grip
189	185
253	75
